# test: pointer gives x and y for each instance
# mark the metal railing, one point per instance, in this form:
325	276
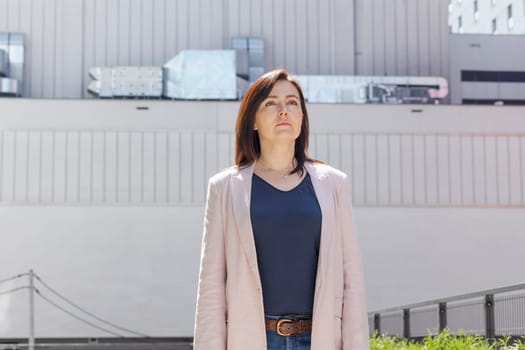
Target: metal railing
490	313
171	167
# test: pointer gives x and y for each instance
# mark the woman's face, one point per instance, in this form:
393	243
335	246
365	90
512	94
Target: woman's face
279	117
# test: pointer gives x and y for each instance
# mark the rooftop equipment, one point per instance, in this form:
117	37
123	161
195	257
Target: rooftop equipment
130	81
201	75
372	89
249	51
11	64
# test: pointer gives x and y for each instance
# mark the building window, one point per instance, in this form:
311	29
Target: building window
476	12
510	19
460	25
494	26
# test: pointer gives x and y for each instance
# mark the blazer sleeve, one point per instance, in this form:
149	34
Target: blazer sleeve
210	317
355	317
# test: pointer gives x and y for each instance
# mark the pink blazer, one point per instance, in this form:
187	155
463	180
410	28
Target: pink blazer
230	312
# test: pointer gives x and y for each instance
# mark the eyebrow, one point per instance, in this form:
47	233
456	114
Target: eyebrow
273	96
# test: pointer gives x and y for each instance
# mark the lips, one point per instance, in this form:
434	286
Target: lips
283	123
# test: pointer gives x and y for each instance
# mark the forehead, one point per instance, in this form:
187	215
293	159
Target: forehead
284	88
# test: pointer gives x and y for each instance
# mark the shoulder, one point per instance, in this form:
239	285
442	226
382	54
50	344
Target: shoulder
325	170
224	175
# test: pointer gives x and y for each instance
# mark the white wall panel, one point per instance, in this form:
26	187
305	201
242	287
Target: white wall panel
289	33
301	22
401	37
343	36
423	38
413	37
378	37
4	15
278	38
314	54
148	32
122	15
195	22
325	29
390	30
364	38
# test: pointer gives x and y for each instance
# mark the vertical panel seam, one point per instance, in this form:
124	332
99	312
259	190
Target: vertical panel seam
15	134
106	28
385	48
40	167
83	49
1	164
54	69
53	164
118	32
396	44
372	37
296	39
141	16
104	165
354	31
331	16
429	28
165	33
522	172
318	37
418	39
130	15
407	40
42	53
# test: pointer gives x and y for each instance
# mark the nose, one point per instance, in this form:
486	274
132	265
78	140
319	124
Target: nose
283	112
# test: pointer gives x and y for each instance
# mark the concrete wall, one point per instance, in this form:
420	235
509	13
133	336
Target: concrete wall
135	263
364	37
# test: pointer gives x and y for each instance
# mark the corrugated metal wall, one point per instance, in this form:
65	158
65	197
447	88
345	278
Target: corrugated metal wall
67	37
402	37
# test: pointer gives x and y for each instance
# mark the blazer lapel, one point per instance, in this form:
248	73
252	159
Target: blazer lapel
241	187
323	192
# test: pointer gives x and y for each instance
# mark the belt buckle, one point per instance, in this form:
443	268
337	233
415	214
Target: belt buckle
279	323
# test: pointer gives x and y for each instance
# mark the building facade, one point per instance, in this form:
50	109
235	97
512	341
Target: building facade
487	16
481	74
65	38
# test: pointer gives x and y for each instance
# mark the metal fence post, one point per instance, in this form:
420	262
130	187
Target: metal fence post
406	323
377	323
442	316
489	317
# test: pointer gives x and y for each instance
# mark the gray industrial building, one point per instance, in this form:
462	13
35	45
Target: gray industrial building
65	38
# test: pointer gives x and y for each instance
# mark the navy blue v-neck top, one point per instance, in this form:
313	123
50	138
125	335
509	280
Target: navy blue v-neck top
287	231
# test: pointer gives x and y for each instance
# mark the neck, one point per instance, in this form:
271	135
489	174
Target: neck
278	156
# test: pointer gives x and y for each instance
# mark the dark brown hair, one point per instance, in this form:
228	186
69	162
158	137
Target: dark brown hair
247	144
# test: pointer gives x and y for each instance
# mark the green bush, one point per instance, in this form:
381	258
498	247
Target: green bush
443	341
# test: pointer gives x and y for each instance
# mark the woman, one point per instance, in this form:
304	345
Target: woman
280	265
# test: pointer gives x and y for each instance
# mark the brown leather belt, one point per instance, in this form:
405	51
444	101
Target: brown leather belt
287	327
